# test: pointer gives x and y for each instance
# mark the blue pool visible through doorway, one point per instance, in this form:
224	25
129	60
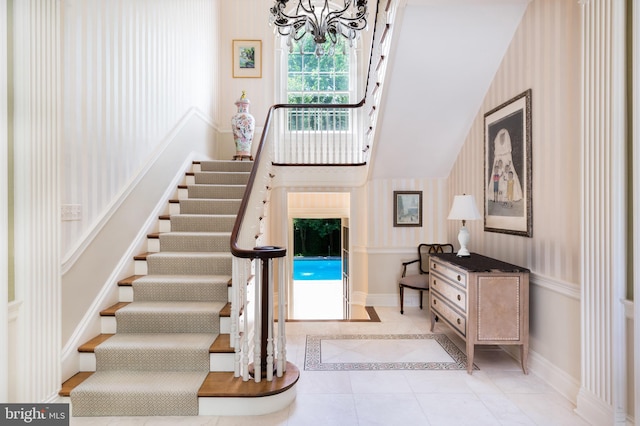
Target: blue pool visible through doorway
317	268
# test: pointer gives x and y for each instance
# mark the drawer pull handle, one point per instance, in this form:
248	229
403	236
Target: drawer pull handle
434	266
459	297
434	301
458	321
459	278
434	282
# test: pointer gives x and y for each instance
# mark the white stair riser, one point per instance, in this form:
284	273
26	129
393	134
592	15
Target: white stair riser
140	267
87	361
190	180
174	208
108	325
225	325
244	406
221	362
164	225
183	193
125	294
153	245
234	406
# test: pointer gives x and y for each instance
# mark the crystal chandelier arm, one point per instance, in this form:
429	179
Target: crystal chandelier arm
286	22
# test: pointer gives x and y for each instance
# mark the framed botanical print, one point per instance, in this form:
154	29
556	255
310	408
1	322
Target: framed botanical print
247	58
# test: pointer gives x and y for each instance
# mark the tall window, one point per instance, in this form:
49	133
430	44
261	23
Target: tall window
325	80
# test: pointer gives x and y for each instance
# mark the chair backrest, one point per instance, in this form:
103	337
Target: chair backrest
424	250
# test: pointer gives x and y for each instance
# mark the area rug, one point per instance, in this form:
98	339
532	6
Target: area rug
383	352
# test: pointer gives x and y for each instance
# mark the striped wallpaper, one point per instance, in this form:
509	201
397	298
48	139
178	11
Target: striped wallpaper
131	70
545	57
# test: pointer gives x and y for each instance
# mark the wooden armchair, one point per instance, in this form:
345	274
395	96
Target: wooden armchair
420	281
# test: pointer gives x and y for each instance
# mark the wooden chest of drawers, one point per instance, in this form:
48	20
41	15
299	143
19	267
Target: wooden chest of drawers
485	301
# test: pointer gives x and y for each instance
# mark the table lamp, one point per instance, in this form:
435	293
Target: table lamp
464	208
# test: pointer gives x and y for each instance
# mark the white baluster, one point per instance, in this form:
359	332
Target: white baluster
257	328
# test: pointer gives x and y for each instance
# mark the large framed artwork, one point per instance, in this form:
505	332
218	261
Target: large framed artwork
507	165
247	58
407	208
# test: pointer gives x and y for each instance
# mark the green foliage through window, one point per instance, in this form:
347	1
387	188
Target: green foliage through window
316	237
318	80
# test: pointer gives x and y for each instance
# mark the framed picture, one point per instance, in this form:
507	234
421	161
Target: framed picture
407	208
507	166
247	58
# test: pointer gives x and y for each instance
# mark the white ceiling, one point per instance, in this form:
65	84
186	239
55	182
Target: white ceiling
447	53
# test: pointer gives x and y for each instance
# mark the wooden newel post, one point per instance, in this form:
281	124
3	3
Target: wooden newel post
265	306
268	253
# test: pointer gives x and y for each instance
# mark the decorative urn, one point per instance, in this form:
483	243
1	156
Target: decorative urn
243	126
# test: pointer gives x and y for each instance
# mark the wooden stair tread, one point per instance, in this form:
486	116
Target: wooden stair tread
142	256
226	311
154	235
127	282
111	310
222	345
90	346
74	381
165	217
222	384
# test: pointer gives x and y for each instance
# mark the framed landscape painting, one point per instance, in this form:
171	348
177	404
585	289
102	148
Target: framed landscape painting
407	208
247	58
507	165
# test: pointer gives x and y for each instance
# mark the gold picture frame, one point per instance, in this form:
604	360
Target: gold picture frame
247	58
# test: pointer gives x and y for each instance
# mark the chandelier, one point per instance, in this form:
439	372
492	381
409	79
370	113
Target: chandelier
346	21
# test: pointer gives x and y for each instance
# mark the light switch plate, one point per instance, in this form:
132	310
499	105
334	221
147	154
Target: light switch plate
71	212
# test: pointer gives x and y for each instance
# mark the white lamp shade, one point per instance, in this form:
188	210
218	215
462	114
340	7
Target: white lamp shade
464	208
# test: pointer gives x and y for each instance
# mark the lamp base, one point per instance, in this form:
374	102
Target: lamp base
463	239
463	253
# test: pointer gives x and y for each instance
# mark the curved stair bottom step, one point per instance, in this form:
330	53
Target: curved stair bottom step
137	393
221	394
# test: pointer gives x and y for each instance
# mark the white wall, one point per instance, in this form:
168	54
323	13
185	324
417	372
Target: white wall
545	57
132	70
140	100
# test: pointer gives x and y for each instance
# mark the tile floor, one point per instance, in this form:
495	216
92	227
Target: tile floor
497	394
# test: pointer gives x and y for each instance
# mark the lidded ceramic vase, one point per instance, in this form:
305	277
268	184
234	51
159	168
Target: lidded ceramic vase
243	126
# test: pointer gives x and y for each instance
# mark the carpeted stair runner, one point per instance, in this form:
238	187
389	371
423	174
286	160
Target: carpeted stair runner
156	362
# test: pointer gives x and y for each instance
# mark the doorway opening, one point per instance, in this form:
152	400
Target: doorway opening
317	269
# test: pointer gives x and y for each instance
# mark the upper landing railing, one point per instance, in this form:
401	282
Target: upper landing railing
259	350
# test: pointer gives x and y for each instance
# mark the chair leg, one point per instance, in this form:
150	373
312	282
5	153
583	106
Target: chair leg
401	300
420	299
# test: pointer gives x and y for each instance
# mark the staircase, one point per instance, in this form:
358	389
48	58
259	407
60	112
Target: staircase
164	348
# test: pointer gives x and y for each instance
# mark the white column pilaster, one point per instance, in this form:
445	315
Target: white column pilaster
4	214
36	162
636	207
602	396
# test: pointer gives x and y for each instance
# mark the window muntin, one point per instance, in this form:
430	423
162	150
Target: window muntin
315	79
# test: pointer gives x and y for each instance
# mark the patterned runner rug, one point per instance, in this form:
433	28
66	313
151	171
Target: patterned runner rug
383	352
